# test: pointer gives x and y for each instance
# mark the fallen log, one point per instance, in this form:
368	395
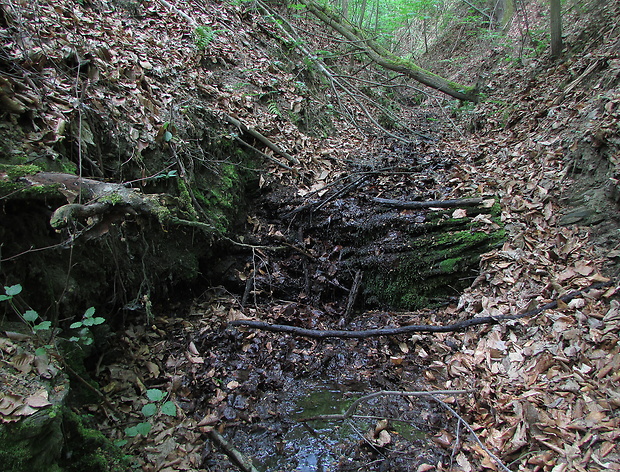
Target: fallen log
461	202
100	204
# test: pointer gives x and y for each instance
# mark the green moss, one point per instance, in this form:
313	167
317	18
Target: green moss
10	186
222	196
33	443
433	268
112	198
449	265
87	449
14	172
185	200
67	167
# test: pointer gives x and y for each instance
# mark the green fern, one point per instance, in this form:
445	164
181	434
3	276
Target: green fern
272	106
203	35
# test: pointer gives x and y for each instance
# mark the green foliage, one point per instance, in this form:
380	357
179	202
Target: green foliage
85	336
32	320
29	317
155	407
273	108
203	35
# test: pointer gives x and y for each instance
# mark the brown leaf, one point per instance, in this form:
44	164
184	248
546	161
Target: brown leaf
23	362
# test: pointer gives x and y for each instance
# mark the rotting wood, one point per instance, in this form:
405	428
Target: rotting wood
355	289
461	202
461	325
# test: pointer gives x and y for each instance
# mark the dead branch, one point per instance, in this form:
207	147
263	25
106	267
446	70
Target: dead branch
239	459
355	288
462	202
255	134
473	433
369	333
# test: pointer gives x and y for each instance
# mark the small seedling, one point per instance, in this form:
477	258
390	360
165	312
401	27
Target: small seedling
29	316
155	406
85	336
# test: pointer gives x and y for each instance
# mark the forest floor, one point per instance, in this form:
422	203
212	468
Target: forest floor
541	391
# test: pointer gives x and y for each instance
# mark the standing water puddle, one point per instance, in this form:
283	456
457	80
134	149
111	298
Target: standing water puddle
281	442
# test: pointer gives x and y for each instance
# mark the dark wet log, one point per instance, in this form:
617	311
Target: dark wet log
369	333
459	203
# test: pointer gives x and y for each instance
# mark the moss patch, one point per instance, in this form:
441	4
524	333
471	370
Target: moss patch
433	268
33	443
87	449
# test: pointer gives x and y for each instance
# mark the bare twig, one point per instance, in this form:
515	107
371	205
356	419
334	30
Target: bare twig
433	203
473	433
355	288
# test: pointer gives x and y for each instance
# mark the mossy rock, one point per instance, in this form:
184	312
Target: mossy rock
33	443
56	439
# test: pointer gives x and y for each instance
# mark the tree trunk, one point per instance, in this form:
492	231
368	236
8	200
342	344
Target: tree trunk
556	29
388	60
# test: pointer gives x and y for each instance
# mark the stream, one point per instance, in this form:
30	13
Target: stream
258	386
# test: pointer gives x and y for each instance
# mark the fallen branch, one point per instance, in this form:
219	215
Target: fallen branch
255	134
266	156
369	333
462	202
239	459
355	288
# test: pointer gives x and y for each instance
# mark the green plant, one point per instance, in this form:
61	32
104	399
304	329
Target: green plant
273	108
32	319
155	407
29	317
203	35
85	336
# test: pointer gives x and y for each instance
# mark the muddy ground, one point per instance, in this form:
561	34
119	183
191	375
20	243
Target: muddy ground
254	387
